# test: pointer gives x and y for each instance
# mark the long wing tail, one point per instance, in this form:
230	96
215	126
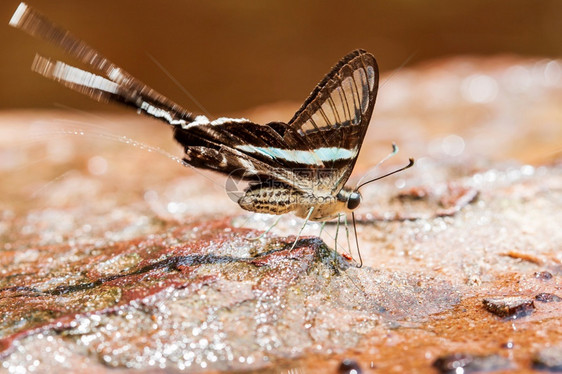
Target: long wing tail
117	86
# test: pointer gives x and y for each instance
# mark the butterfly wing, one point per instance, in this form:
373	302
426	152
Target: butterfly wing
315	152
116	84
230	146
336	115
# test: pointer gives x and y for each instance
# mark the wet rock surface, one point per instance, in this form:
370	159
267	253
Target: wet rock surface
116	259
549	359
349	367
547	298
194	297
466	363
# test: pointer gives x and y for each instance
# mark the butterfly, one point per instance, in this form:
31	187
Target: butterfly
300	166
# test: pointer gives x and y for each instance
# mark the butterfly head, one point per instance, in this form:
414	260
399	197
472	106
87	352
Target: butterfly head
351	198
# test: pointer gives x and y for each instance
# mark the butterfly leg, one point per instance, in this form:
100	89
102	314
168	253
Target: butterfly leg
302	228
347	233
336	237
268	230
322	226
356	240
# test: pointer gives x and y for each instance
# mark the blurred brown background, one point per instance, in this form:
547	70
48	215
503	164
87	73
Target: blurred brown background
234	55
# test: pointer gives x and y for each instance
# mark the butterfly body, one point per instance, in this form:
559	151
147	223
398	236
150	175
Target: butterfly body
281	199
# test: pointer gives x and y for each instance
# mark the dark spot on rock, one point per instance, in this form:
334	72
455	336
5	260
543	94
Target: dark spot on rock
508	345
450	363
468	363
414	193
349	366
549	359
543	275
509	306
547	298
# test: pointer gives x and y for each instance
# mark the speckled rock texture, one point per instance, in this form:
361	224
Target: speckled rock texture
115	258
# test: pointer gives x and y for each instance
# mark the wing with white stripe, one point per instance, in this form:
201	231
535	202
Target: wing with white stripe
315	151
336	115
129	90
223	146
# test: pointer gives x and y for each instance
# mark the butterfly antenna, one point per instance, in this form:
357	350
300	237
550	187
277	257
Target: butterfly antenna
410	164
394	151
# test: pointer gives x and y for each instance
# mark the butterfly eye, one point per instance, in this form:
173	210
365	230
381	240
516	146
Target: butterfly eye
354	200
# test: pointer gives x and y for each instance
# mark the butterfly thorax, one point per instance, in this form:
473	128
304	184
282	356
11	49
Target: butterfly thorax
280	199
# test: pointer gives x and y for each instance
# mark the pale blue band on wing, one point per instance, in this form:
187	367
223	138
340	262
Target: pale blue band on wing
314	157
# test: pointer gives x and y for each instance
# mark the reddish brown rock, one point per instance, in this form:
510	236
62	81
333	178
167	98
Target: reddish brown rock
549	359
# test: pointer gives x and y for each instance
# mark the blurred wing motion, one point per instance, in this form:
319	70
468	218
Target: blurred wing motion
315	151
117	85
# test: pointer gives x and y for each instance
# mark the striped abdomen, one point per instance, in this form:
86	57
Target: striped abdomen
275	199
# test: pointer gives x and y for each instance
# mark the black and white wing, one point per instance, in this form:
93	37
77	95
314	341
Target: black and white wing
116	85
315	151
336	115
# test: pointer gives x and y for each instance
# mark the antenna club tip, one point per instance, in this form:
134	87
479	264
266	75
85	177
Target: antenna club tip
18	14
